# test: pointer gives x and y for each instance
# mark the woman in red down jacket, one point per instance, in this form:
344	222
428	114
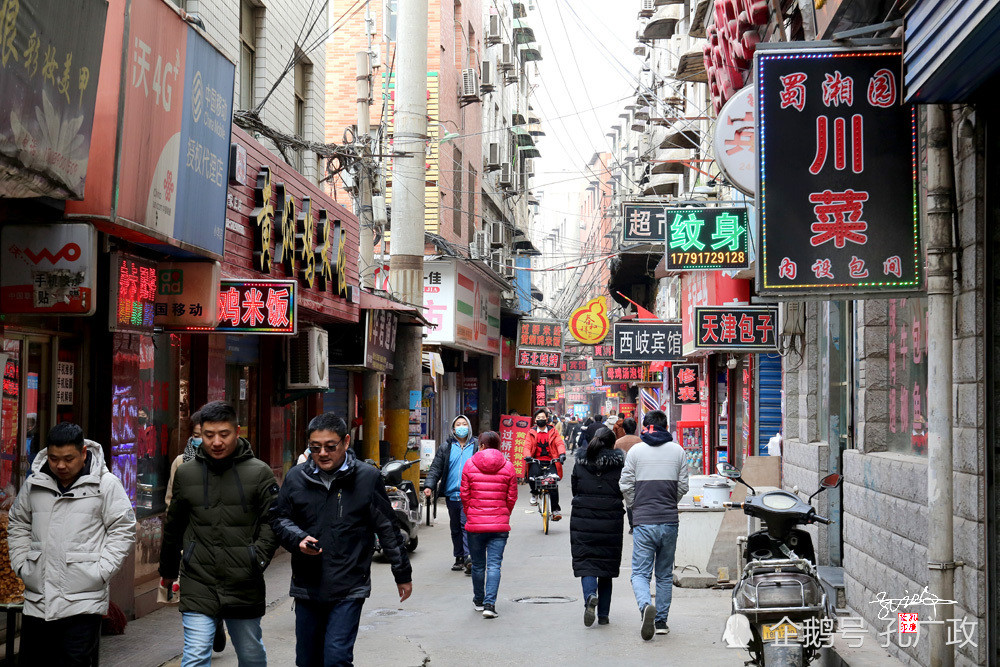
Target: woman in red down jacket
489	492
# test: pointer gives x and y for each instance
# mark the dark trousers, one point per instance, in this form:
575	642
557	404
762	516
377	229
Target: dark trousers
459	540
67	642
535	470
325	632
600	586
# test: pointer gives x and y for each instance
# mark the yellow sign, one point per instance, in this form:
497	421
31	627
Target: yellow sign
589	323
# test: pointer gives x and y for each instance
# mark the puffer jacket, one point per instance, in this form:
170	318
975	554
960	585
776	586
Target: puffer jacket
596	524
219	516
489	492
547	447
67	546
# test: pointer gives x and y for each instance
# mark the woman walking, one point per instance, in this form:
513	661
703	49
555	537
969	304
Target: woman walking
489	491
595	526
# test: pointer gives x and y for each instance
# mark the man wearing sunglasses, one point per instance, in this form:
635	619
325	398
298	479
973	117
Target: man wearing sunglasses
327	514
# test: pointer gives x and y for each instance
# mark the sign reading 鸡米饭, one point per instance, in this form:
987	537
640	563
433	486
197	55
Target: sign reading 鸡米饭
837	191
644	223
50	59
647	341
133	294
589	323
257	306
623	373
707	238
736	328
684	382
539	345
48	268
380	339
186	294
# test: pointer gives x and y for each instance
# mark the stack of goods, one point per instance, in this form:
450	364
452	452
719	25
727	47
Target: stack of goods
11	587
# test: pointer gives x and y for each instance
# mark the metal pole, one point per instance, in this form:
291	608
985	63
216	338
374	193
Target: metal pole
406	248
940	512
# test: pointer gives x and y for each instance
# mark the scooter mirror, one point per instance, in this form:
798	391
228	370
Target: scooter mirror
728	470
831	481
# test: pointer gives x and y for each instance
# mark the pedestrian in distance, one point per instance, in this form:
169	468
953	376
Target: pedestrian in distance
545	444
655	477
71	528
489	493
444	478
193	443
625	442
327	515
219	517
595	527
591	429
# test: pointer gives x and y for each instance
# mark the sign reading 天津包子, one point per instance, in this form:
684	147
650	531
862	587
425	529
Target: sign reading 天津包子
837	192
736	328
589	323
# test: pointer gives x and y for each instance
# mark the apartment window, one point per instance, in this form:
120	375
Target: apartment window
456	211
392	12
303	73
248	49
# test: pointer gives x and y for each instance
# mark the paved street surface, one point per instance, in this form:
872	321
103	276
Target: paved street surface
438	625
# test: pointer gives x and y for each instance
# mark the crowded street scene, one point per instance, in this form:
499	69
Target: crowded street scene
495	332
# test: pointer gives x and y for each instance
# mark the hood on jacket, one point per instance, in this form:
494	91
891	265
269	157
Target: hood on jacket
609	459
654	436
489	460
467	421
97	466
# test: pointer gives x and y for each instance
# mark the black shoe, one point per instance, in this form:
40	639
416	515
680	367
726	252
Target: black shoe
459	564
661	628
219	643
646	629
590	611
603	620
468	566
489	611
477	605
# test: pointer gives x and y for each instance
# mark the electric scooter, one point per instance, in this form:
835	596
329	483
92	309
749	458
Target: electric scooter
405	502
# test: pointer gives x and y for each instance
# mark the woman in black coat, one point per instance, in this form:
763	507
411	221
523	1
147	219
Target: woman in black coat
596	525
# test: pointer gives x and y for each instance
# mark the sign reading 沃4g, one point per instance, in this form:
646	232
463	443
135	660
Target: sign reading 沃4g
707	238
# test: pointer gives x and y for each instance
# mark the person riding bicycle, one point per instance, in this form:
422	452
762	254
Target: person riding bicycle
545	445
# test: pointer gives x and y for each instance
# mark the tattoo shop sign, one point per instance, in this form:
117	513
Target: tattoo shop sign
836	189
707	238
647	341
739	329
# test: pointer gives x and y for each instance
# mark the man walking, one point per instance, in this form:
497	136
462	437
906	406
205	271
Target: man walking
654	479
328	512
70	530
445	478
219	516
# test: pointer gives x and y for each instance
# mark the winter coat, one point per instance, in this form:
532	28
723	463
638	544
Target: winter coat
437	475
67	546
655	477
596	525
589	432
219	517
344	519
556	448
625	442
489	492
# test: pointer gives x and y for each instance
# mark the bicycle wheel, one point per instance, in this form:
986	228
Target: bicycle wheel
545	512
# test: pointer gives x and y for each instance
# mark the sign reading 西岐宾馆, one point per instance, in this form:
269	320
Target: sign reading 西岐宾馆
647	341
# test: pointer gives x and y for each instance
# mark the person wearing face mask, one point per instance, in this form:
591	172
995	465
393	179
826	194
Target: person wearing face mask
545	444
445	479
193	443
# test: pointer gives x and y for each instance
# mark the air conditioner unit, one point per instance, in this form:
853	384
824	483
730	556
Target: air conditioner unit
640	51
380	214
493	157
308	360
470	84
529	166
480	248
506	58
509	268
496	260
486	84
495	34
506	175
647	8
496	234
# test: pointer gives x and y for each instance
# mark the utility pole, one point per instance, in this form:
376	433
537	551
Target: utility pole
406	250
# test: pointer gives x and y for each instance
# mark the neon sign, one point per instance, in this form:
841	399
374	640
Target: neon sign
257	306
133	288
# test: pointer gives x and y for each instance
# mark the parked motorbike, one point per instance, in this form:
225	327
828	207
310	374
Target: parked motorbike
405	502
779	588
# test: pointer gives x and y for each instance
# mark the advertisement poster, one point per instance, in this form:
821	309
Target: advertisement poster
514	440
439	302
477	312
48	268
626	410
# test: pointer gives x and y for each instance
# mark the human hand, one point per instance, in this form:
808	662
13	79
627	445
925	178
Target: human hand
306	543
404	590
428	492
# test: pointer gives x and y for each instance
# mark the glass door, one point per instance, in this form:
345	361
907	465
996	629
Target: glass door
25	405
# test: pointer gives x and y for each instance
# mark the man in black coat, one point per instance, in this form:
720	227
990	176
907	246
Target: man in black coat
327	514
591	430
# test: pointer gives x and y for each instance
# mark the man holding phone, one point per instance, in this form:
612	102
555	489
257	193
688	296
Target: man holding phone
327	514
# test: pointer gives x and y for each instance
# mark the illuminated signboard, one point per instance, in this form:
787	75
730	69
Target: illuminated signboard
257	306
133	294
685	384
604	350
539	345
576	365
618	373
541	360
707	238
736	328
647	341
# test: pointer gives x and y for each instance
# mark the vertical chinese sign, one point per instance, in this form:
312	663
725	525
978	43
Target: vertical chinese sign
907	399
514	440
439	302
684	381
837	189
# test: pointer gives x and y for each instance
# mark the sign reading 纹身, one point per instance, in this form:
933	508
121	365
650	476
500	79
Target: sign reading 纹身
707	238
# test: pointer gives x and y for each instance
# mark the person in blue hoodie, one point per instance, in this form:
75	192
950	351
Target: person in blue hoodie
445	479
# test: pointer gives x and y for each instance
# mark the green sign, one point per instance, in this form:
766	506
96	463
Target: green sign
707	238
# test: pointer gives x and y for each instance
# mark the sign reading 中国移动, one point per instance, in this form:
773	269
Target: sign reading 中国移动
836	192
647	341
736	328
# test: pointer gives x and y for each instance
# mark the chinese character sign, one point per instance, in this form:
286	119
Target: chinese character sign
836	190
739	328
48	268
514	440
907	382
186	294
576	365
538	359
645	341
439	302
380	339
707	238
605	350
477	312
684	381
644	223
133	292
623	373
589	323
257	306
735	152
540	334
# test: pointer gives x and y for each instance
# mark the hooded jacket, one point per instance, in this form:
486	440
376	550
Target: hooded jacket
67	546
437	474
345	519
219	516
596	524
554	447
489	492
655	477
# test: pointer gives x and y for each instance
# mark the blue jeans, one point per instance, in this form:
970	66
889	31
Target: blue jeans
653	549
486	550
459	539
601	586
199	632
325	632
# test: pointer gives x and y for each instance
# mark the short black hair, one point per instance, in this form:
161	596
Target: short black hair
599	418
540	411
629	426
65	433
655	418
218	412
327	421
490	440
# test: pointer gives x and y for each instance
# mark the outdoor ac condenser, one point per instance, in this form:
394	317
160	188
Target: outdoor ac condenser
308	360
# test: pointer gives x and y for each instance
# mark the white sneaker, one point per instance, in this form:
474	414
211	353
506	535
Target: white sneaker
534	500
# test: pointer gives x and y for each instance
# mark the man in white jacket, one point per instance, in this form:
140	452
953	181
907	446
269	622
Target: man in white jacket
71	528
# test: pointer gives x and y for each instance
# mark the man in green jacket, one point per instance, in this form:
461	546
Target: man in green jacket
219	517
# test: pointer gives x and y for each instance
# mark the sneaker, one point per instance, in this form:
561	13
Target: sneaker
556	516
661	628
458	565
603	620
489	611
534	499
590	611
219	643
646	629
477	605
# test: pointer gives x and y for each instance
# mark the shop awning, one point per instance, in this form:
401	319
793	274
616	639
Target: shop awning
407	313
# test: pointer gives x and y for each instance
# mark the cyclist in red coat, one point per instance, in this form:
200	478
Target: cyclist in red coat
545	444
